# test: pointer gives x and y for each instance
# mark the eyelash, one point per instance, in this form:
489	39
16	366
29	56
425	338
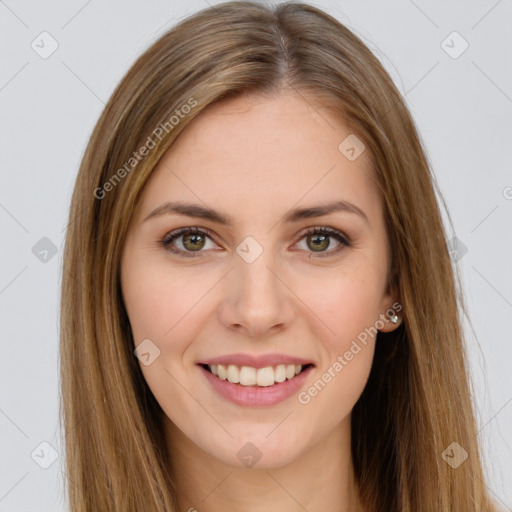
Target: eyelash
166	242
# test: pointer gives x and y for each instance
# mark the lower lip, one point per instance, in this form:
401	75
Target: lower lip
257	396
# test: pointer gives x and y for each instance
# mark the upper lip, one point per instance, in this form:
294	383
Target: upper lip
260	361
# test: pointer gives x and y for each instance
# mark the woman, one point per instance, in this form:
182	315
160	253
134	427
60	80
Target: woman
262	313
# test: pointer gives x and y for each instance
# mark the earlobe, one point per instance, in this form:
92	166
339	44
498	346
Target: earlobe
392	318
395	318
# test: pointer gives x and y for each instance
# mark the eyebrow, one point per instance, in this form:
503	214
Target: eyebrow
295	215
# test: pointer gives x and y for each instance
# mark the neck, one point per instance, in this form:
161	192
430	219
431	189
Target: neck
317	480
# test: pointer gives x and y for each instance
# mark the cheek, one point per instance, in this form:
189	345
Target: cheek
346	303
160	304
163	307
346	308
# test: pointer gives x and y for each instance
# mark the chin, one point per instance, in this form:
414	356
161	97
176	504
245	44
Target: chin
258	450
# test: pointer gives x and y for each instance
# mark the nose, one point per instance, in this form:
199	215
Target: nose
257	301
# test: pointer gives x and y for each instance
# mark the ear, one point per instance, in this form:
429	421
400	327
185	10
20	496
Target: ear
391	306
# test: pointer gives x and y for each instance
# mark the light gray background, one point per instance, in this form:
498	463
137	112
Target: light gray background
463	109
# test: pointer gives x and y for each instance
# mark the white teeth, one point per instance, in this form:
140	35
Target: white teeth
248	376
221	372
233	374
265	376
290	371
280	375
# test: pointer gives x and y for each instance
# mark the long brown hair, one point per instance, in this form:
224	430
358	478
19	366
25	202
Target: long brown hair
418	399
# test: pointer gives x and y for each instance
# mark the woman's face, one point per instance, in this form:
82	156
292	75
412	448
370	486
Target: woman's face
252	287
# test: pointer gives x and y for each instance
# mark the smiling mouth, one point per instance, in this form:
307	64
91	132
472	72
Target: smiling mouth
249	376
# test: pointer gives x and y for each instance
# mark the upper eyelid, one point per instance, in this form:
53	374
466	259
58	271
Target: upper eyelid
176	233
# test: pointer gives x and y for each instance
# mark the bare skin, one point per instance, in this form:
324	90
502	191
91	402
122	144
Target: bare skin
305	295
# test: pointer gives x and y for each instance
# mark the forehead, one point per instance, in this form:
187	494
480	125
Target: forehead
262	155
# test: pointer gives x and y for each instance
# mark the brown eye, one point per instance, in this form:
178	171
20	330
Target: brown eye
193	241
318	242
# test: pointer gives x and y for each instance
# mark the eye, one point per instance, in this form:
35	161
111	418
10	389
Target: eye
193	240
319	238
